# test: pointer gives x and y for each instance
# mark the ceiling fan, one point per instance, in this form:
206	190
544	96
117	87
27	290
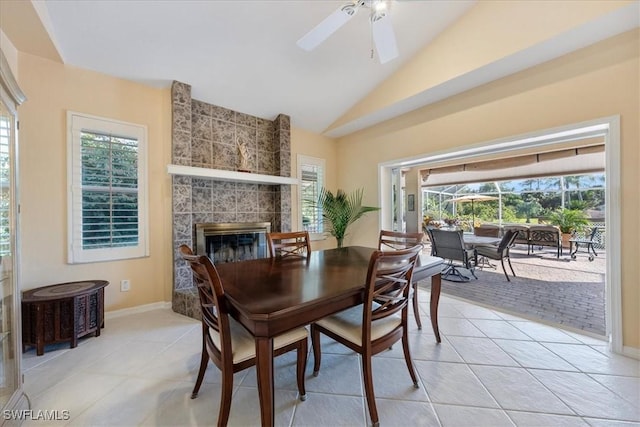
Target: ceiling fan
381	28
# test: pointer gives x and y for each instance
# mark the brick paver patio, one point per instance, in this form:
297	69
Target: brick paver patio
560	291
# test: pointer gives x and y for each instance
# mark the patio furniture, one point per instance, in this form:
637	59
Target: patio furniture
487	230
576	242
545	235
450	246
523	233
501	252
472	241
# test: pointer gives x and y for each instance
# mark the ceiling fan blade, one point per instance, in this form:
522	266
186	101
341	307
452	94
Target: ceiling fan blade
328	26
384	37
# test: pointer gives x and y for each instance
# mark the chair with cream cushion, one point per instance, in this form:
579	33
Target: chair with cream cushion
379	322
226	342
286	244
394	240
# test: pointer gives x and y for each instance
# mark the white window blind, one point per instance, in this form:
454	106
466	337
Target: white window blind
108	183
311	172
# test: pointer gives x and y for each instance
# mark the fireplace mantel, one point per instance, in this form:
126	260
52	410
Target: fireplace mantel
226	175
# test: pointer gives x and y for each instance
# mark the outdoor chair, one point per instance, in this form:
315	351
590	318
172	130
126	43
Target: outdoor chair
450	246
487	230
523	233
395	240
575	242
379	322
226	342
295	243
545	235
501	252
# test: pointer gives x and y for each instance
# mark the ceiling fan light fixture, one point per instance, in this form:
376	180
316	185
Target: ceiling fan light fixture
380	6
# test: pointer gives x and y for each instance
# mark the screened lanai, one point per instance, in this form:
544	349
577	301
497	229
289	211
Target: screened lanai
529	200
525	188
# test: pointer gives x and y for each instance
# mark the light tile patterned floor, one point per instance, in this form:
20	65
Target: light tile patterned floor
492	369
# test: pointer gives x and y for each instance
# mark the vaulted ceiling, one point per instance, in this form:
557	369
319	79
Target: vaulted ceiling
243	55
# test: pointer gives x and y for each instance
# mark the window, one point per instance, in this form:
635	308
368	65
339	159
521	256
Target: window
5	184
107	175
311	175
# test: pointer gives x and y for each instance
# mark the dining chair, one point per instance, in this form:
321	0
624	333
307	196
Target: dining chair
287	244
450	246
379	322
501	252
395	240
226	342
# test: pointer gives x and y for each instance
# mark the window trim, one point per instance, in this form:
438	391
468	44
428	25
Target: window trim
308	160
76	123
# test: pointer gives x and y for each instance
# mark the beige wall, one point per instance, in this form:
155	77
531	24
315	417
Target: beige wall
310	144
598	81
488	33
52	89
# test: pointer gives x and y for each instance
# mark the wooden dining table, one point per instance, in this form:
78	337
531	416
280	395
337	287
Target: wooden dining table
272	296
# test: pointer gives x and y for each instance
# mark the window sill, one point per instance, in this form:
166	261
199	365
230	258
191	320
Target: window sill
314	237
226	175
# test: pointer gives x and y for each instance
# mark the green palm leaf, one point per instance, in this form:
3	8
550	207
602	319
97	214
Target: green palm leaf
341	210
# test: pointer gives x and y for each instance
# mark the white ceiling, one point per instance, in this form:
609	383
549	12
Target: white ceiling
243	55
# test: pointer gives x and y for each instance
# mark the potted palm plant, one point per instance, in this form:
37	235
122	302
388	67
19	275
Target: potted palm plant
569	221
341	210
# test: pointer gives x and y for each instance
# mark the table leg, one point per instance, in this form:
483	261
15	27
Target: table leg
264	369
436	282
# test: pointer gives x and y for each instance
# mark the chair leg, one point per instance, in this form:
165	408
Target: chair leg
504	269
416	310
302	352
225	397
511	266
204	360
368	389
407	359
317	353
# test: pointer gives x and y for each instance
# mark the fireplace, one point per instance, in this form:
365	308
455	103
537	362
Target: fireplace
205	136
230	242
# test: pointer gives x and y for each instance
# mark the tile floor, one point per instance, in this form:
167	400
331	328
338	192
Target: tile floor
492	369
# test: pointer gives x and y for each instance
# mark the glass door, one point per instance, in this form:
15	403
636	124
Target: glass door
8	284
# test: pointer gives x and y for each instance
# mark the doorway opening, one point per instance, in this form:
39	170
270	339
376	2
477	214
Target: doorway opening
408	180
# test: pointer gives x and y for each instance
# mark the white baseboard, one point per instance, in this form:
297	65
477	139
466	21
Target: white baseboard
631	352
138	309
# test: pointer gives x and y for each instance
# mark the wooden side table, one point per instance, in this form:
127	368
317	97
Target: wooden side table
62	313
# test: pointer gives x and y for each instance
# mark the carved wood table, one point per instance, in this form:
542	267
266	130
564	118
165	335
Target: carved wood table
62	313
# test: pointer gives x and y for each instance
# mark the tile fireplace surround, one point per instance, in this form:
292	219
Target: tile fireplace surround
207	136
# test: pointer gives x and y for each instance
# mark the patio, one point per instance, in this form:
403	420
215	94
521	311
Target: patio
563	292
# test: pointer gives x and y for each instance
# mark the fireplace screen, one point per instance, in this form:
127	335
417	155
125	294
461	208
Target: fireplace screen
230	242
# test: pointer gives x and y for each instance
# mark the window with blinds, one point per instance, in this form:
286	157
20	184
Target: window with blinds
108	190
311	175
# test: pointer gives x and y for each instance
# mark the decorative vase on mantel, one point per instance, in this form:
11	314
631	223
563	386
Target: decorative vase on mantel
243	152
